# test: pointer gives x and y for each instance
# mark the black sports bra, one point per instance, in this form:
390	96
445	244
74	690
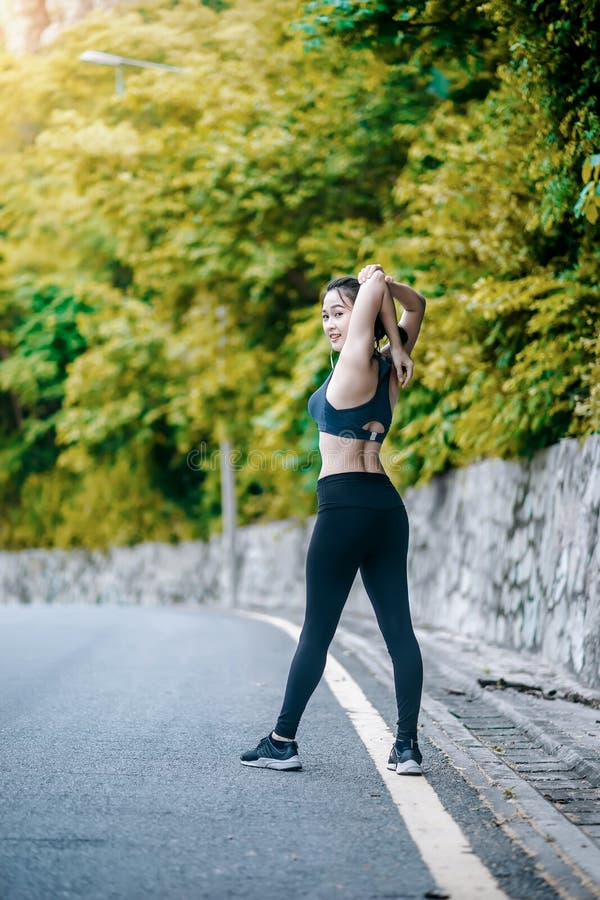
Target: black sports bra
349	422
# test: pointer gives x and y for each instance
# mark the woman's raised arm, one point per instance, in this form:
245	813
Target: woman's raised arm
367	306
396	348
414	310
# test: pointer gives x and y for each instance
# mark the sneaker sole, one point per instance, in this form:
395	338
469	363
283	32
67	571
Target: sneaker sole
410	767
292	764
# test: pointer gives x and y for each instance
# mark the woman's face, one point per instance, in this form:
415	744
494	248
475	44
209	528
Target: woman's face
336	318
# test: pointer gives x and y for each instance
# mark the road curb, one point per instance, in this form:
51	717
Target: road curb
582	766
562	851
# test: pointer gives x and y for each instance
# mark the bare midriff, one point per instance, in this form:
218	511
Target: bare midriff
344	454
339	454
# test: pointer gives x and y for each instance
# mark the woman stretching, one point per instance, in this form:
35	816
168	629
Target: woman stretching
361	521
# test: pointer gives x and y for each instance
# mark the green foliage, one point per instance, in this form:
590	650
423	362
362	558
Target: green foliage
106	505
45	339
430	27
162	252
589	199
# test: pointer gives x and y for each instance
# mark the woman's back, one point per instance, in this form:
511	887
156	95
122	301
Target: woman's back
350	436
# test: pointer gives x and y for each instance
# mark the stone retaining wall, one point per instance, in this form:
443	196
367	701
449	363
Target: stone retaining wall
504	551
509	552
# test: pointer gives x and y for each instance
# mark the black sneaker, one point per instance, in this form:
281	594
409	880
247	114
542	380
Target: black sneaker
268	756
406	759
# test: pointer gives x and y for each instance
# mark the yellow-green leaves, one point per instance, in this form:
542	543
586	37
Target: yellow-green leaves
588	203
162	254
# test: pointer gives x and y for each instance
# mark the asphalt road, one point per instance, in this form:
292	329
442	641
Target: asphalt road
121	735
121	730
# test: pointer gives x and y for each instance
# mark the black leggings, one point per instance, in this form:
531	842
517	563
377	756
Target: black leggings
361	523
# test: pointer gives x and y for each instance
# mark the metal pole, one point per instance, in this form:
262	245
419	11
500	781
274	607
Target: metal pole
228	506
119	81
100	58
229	523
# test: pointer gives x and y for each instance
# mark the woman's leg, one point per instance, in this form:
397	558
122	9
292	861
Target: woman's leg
332	561
384	576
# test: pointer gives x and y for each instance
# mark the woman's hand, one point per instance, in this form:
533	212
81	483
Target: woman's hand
366	272
403	364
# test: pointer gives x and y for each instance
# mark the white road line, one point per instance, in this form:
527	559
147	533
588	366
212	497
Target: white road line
442	844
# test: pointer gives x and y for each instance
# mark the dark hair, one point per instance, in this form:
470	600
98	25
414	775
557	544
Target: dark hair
347	287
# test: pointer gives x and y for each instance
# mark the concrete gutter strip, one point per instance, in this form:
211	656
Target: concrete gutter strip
569	753
561	849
